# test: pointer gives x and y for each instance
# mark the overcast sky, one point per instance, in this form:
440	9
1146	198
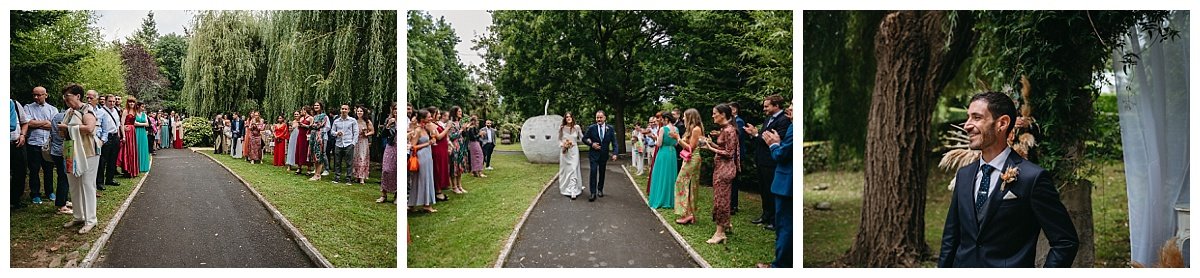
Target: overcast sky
468	25
116	25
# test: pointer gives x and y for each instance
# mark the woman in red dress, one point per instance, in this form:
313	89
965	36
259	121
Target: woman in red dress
441	155
178	130
301	149
281	136
128	157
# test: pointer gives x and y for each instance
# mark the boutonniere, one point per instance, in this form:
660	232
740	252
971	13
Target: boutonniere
1009	176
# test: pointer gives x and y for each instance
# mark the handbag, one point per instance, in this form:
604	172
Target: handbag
414	164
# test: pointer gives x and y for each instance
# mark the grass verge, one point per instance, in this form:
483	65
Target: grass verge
37	238
470	229
747	245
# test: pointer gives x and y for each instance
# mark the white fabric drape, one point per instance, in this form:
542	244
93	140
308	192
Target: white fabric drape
1152	97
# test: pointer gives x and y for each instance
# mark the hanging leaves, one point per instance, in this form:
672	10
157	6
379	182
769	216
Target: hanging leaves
278	61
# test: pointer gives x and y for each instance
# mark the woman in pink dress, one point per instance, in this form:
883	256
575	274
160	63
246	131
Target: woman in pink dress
362	150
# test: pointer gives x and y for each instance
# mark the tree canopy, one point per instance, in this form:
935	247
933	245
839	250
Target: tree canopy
277	61
627	63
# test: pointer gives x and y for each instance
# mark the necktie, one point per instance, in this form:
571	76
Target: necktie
984	186
601	133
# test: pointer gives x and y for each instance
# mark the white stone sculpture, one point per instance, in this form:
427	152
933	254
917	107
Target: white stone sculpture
539	139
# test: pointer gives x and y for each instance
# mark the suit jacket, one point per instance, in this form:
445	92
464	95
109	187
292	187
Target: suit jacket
762	152
608	142
742	136
1008	233
237	128
782	154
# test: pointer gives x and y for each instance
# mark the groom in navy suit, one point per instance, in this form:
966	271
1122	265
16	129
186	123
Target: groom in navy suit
599	136
994	221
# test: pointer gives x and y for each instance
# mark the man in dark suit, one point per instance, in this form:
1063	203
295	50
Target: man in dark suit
237	128
600	137
781	187
994	218
778	122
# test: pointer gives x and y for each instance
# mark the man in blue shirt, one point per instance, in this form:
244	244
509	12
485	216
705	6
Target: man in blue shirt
60	165
344	134
40	113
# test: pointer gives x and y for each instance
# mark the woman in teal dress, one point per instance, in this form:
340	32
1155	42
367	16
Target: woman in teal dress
666	169
143	143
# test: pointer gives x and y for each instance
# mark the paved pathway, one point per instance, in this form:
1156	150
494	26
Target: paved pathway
618	230
191	212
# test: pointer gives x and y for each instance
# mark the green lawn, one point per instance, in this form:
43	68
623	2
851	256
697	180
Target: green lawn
38	238
342	221
829	234
470	229
748	245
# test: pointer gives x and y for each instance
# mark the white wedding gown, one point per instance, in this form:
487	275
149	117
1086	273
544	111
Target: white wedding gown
569	183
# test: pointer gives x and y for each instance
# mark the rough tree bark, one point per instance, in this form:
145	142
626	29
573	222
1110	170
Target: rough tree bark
917	53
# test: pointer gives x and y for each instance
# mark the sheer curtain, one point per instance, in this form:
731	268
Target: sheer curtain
1152	97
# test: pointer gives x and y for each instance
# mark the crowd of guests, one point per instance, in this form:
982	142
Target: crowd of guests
311	143
66	156
444	145
671	145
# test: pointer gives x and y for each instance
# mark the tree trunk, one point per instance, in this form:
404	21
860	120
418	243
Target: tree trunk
917	53
618	122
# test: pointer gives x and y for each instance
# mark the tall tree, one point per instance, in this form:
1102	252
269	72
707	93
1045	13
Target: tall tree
436	77
147	34
169	51
44	46
609	60
142	78
917	54
220	71
338	57
103	71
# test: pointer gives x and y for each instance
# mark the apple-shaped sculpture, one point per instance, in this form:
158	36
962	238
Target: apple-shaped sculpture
539	139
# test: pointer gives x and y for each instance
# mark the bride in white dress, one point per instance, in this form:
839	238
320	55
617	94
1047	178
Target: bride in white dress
569	134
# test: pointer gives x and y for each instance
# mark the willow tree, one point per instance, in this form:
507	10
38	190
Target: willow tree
222	62
337	57
277	61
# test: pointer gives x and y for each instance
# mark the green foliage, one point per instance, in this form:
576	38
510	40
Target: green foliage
633	63
44	46
102	71
1062	52
839	49
197	131
435	75
142	78
1107	127
338	57
222	62
278	61
147	34
169	51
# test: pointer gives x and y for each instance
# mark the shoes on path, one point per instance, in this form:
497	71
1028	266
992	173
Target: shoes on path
72	223
37	200
65	210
